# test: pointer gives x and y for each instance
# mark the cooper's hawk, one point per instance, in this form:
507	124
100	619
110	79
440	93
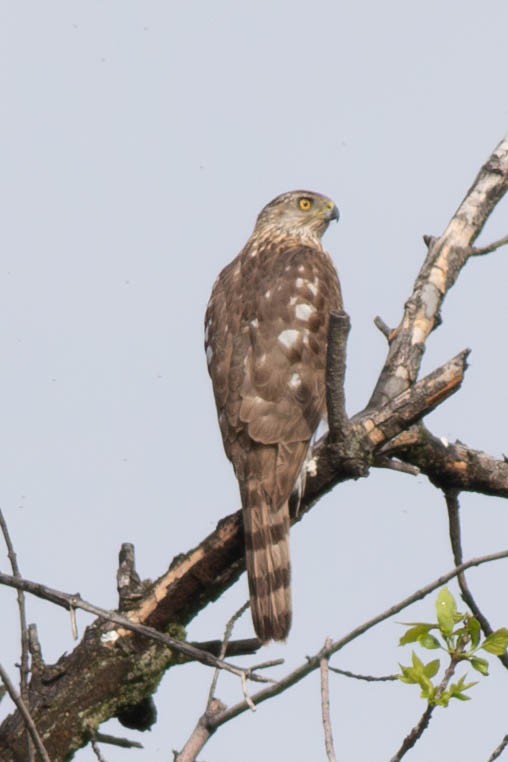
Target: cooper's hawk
265	338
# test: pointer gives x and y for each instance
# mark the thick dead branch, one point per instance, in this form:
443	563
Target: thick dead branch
450	465
445	259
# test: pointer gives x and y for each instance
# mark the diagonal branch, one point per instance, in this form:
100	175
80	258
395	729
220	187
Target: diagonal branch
446	257
27	717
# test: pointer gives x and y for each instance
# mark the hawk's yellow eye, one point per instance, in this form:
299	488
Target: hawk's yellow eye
305	204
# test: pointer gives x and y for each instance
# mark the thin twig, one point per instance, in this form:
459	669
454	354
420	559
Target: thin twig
27	718
97	751
75	601
479	251
367	678
498	750
383	327
25	658
123	743
266	665
74	626
453	506
325	705
228	631
382	461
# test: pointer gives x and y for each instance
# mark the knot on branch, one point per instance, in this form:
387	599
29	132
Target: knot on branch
349	457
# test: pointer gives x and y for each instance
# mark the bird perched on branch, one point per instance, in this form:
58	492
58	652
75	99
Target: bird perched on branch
266	331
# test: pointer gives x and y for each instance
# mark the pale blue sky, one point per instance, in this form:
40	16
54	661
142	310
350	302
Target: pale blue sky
139	141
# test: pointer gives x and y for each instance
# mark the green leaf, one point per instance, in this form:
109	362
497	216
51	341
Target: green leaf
480	665
456	689
415	632
428	641
446	610
407	675
474	630
461	696
497	642
432	668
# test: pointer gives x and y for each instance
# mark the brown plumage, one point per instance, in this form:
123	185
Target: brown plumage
265	339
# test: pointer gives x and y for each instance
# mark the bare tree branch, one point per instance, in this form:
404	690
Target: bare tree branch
367	678
325	706
498	750
75	601
446	257
480	251
27	718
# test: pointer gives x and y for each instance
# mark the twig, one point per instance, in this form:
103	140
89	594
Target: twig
74	626
367	678
75	601
481	250
453	506
241	647
27	718
498	750
25	659
383	327
97	751
325	706
246	695
123	743
266	665
228	631
381	461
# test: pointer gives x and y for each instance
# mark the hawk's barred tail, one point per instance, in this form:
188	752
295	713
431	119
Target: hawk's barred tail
268	568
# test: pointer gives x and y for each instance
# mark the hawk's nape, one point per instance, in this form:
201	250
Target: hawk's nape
265	337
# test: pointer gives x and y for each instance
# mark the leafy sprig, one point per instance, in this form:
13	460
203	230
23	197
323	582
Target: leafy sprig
459	636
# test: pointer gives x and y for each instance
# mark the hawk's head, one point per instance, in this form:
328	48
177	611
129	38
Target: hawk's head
303	213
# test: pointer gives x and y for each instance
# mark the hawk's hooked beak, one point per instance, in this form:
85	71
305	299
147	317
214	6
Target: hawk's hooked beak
331	212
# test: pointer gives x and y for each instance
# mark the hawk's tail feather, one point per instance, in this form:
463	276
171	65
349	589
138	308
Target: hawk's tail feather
268	568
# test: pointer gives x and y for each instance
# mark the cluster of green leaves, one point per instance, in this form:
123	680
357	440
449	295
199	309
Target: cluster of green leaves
458	635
